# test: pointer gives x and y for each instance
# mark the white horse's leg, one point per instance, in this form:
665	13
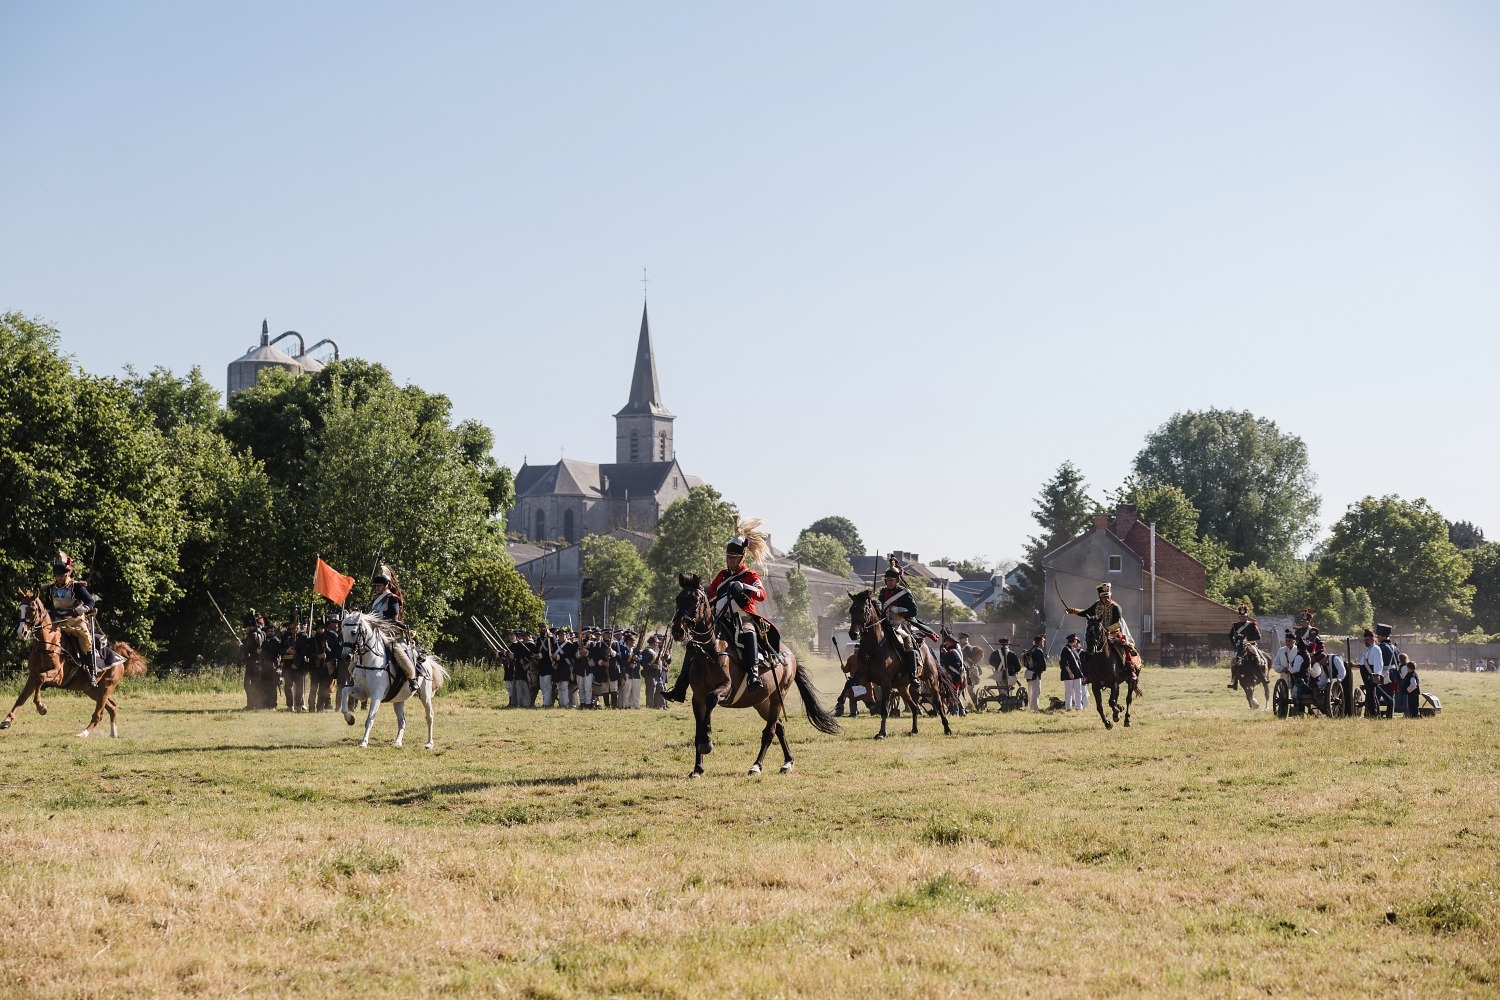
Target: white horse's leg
375	693
427	707
344	693
400	708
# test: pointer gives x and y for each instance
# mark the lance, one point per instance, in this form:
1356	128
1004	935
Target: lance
232	633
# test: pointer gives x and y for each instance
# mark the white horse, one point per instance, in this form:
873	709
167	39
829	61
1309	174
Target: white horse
371	677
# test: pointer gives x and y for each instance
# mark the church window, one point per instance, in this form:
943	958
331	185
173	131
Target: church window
568	526
674	482
635	447
662	440
541	525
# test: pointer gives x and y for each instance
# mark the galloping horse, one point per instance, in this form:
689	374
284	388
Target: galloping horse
371	677
1249	668
48	664
1106	668
886	665
717	678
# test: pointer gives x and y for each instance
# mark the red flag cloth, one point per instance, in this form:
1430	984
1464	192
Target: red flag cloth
331	583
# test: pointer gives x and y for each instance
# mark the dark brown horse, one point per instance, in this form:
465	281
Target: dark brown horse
1105	667
717	678
49	663
886	665
1249	668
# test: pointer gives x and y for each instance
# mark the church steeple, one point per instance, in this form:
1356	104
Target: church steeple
643	428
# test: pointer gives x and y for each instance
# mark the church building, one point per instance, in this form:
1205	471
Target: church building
570	499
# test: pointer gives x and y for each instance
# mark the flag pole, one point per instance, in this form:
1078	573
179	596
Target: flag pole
316	559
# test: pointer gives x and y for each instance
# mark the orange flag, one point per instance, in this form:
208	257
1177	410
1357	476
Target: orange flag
331	583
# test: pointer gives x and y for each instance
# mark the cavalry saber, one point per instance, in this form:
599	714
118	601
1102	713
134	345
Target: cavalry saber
232	633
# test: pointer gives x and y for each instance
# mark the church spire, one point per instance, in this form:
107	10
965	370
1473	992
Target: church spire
645	390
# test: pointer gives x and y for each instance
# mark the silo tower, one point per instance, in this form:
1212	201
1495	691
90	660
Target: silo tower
244	371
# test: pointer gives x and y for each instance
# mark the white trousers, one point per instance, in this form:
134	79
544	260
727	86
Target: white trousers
1074	696
561	687
1034	693
633	692
587	694
546	685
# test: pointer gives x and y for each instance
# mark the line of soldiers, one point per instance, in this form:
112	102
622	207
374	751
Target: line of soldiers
589	668
287	661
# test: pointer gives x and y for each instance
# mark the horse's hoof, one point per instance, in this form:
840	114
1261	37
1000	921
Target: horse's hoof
5	724
397	744
84	734
427	746
786	768
696	773
1108	724
41	710
349	718
1127	722
365	745
754	769
880	736
1254	704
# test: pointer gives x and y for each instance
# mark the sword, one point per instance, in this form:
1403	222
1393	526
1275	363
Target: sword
232	633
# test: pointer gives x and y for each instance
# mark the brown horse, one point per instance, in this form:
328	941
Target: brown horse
1104	667
717	678
886	665
50	664
1248	669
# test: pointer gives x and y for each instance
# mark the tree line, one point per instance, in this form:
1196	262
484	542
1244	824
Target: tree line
1237	493
164	496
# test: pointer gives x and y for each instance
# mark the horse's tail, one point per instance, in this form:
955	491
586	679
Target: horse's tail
816	713
439	672
135	663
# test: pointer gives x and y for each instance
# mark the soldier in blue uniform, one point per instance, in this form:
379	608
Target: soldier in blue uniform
952	663
1244	630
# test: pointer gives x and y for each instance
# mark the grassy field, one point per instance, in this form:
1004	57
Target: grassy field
1208	851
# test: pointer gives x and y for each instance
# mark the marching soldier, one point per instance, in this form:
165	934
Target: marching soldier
1036	665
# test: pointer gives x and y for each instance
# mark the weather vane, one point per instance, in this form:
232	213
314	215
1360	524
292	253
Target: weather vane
644	279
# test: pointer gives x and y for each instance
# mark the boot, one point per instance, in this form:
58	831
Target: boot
916	665
679	690
751	657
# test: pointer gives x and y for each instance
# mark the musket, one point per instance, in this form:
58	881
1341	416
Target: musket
233	634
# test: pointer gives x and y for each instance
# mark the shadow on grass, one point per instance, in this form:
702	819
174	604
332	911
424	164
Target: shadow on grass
222	747
414	796
565	780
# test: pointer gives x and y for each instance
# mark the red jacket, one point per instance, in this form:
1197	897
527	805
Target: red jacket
755	592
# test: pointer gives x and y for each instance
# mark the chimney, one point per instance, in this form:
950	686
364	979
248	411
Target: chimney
1101	522
1125	516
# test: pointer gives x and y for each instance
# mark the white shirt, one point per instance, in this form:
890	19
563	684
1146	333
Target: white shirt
1375	662
1288	660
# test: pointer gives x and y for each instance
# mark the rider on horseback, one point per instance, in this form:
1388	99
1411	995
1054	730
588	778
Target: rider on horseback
1106	630
73	608
900	610
1244	630
736	590
388	604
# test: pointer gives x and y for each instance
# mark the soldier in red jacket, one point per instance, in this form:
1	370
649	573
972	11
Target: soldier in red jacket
735	592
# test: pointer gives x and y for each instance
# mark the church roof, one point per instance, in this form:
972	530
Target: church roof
568	477
645	391
639	479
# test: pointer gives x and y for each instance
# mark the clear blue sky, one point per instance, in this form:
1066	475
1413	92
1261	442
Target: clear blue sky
905	259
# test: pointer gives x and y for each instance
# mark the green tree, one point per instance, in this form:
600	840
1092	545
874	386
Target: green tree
1255	586
822	552
934	606
494	589
1338	610
841	528
1176	520
1465	534
690	539
1398	551
1249	482
796	611
618	573
1062	510
81	468
974	564
1484	577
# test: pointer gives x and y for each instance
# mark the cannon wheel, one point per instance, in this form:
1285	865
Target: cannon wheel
1335	700
1360	708
1281	699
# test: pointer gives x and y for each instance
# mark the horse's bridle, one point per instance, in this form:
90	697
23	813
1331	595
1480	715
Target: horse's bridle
362	633
696	637
31	631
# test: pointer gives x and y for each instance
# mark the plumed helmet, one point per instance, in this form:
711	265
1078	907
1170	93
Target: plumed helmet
1244	609
894	569
380	578
63	563
748	541
735	546
1103	588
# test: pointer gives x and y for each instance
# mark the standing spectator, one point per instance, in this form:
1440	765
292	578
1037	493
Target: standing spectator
1372	663
1036	665
1070	664
1409	686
